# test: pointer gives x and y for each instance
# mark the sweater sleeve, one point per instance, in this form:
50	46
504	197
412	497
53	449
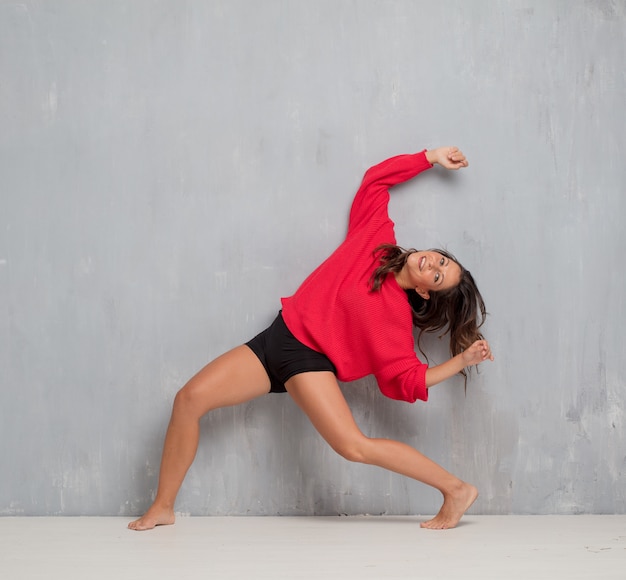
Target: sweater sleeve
407	385
372	198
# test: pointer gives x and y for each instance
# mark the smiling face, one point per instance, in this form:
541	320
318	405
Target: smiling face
429	271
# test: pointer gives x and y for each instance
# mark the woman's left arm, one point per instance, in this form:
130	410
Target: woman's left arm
475	354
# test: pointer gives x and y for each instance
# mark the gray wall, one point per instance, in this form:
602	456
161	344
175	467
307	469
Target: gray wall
169	169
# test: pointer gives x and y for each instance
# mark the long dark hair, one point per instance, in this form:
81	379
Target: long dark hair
460	311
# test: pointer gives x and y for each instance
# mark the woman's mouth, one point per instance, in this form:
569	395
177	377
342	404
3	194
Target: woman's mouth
422	262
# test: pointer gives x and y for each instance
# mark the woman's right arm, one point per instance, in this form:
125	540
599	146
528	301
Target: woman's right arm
373	195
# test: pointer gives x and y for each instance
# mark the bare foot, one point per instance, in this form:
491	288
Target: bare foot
454	506
155	516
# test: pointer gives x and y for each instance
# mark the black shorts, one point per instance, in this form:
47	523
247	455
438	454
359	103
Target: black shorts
284	356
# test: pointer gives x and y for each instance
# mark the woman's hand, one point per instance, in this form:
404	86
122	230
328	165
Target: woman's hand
473	355
477	353
448	157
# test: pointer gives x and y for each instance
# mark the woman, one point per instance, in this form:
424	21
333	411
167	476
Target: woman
353	316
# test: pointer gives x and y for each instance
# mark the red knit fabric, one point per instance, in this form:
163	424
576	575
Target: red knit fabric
335	312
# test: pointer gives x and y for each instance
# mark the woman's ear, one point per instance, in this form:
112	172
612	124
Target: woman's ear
423	293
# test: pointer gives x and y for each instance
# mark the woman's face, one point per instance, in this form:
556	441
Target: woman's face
431	271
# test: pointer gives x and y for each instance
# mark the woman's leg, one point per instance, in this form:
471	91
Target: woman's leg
233	378
319	396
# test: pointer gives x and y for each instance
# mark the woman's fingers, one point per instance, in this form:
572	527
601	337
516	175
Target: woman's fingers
456	158
486	350
483	350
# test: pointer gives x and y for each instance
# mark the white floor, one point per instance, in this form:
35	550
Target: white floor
498	547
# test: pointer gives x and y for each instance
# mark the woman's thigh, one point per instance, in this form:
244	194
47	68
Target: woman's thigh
319	396
231	379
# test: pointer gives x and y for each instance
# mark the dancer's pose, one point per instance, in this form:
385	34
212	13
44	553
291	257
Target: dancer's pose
353	316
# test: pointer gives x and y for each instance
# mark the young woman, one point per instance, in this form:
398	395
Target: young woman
353	316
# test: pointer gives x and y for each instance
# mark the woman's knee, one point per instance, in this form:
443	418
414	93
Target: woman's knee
353	449
189	400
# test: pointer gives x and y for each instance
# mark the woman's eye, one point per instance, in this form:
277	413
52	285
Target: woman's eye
437	277
442	261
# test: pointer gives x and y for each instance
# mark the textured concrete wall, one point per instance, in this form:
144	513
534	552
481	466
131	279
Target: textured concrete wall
169	169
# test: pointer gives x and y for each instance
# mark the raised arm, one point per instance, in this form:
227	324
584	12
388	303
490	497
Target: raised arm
373	195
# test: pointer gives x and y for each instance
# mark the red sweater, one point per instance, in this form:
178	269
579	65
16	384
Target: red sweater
335	312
